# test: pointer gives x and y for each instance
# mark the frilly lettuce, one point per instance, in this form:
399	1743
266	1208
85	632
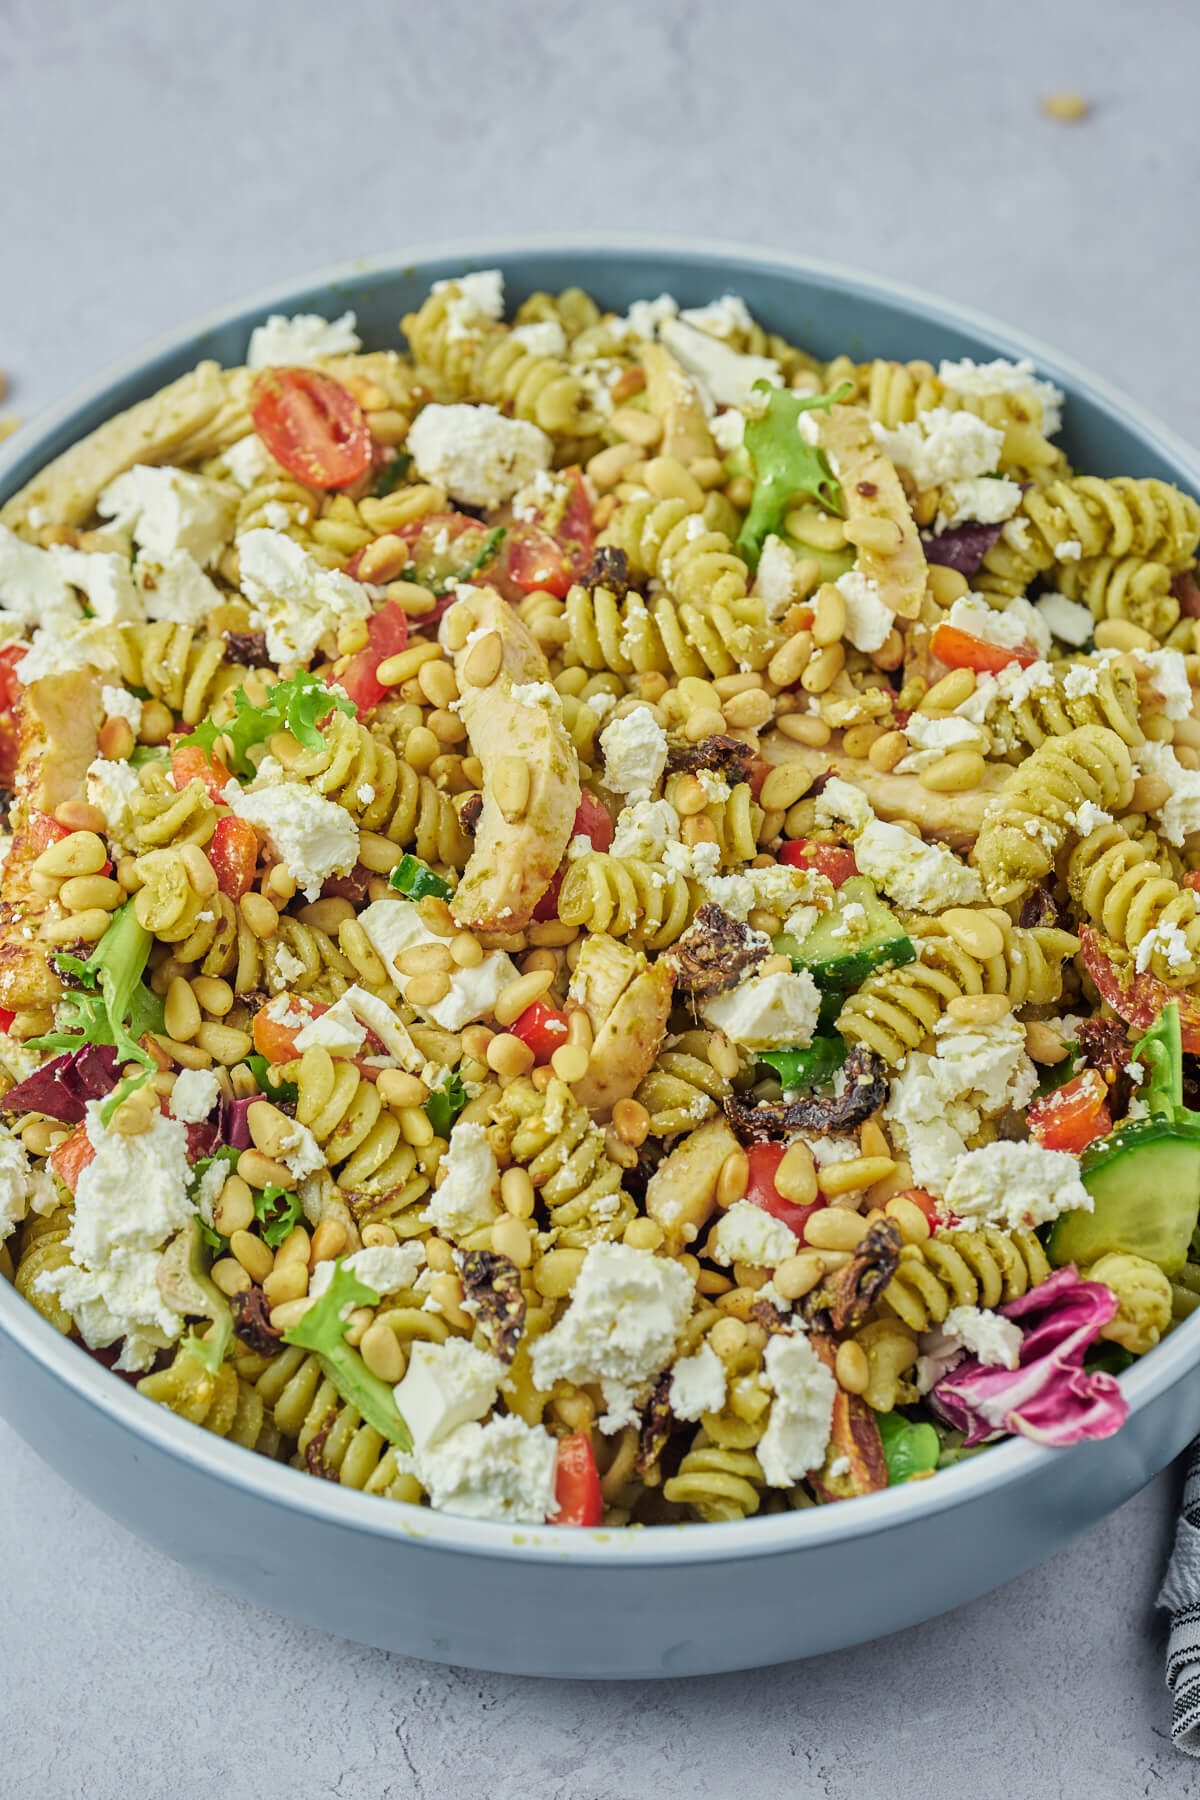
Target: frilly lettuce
785	464
1049	1396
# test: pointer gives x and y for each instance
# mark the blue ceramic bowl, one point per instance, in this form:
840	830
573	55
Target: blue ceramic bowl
680	1600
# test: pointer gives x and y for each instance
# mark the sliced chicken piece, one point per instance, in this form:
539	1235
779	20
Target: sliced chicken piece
673	398
953	818
682	1192
60	720
871	489
628	1041
530	769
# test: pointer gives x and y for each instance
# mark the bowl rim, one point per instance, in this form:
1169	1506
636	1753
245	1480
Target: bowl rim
260	1478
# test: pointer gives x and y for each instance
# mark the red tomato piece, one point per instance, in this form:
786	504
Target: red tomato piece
312	426
764	1160
1074	1115
543	1028
1138	999
189	762
387	634
233	854
276	1038
11	691
42	831
959	650
547	556
70	1158
6	1019
591	821
834	860
576	1483
1185	590
1191	879
929	1205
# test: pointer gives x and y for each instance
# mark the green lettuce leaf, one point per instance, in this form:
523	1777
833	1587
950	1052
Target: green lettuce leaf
279	1212
908	1449
444	1105
323	1330
112	1006
785	466
296	705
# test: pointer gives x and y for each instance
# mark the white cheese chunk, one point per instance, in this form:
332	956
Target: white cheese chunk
767	1012
58	649
635	753
1179	813
313	837
384	1268
475	453
21	1187
104	577
293	598
111	789
725	377
748	1234
33	587
337	1031
168	510
473	302
303	338
445	1386
394	926
501	1470
249	462
801	1419
176	589
119	703
985	1334
925	877
468	1196
545	337
644	830
980	500
697	1384
195	1093
627	1310
1066	619
1004	377
1012	1184
868	620
942	446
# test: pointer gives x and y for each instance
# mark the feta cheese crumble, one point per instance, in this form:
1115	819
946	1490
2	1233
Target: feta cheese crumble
635	753
384	1268
1004	377
303	338
748	1234
801	1419
468	1196
868	620
1066	619
1179	813
394	926
501	1470
1016	1184
169	510
293	598
724	377
627	1310
444	1387
765	1012
985	1334
195	1093
314	837
925	877
942	446
477	454
697	1384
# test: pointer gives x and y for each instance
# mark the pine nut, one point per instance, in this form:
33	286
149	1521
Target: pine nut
797	1275
910	1218
447	1291
383	560
223	1043
636	426
852	1176
234	1210
1122	634
791	659
1150	793
415	1127
608	466
290	1313
570	1062
158	722
382	1352
287	1283
946	585
510	1237
887	751
396	1088
807	728
263	1172
829	616
259	915
824	669
873	1142
948	694
82	927
181	1012
201	873
229	1275
328	1241
475	1040
509	1055
82	853
749	711
516	1191
483	661
425	959
427	990
733	1179
77	815
784	785
954	773
851	1367
796	1176
395	669
214	995
979	1009
513	999
253	1255
980	937
86	893
557	1272
510	786
631	1122
883	536
702	723
1043	1043
723	1056
378	853
857	740
269	1128
834	1228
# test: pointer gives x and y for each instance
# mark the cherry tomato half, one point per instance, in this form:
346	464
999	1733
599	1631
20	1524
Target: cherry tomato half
312	426
387	634
576	1483
233	853
834	860
189	762
543	1028
70	1158
1072	1116
1138	999
10	699
547	556
41	831
764	1160
959	650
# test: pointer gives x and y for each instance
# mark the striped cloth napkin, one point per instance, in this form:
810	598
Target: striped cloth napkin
1180	1595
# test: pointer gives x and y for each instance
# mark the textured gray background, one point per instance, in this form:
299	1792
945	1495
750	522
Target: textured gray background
161	160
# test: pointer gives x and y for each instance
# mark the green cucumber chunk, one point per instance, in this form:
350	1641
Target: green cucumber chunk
812	1067
1145	1184
857	934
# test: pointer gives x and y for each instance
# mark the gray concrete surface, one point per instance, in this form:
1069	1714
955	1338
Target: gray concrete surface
160	160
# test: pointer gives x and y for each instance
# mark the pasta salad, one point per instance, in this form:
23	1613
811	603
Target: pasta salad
601	917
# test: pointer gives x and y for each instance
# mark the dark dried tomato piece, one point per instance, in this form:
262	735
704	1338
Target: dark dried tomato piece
468	813
492	1285
843	1299
609	568
715	952
248	648
252	1323
1104	1046
726	756
1041	908
866	1090
657	1424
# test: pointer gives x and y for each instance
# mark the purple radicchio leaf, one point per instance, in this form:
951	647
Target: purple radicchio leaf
62	1087
962	547
1049	1396
225	1126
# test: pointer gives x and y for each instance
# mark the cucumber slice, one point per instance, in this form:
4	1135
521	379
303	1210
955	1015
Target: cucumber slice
820	1062
840	951
1145	1183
